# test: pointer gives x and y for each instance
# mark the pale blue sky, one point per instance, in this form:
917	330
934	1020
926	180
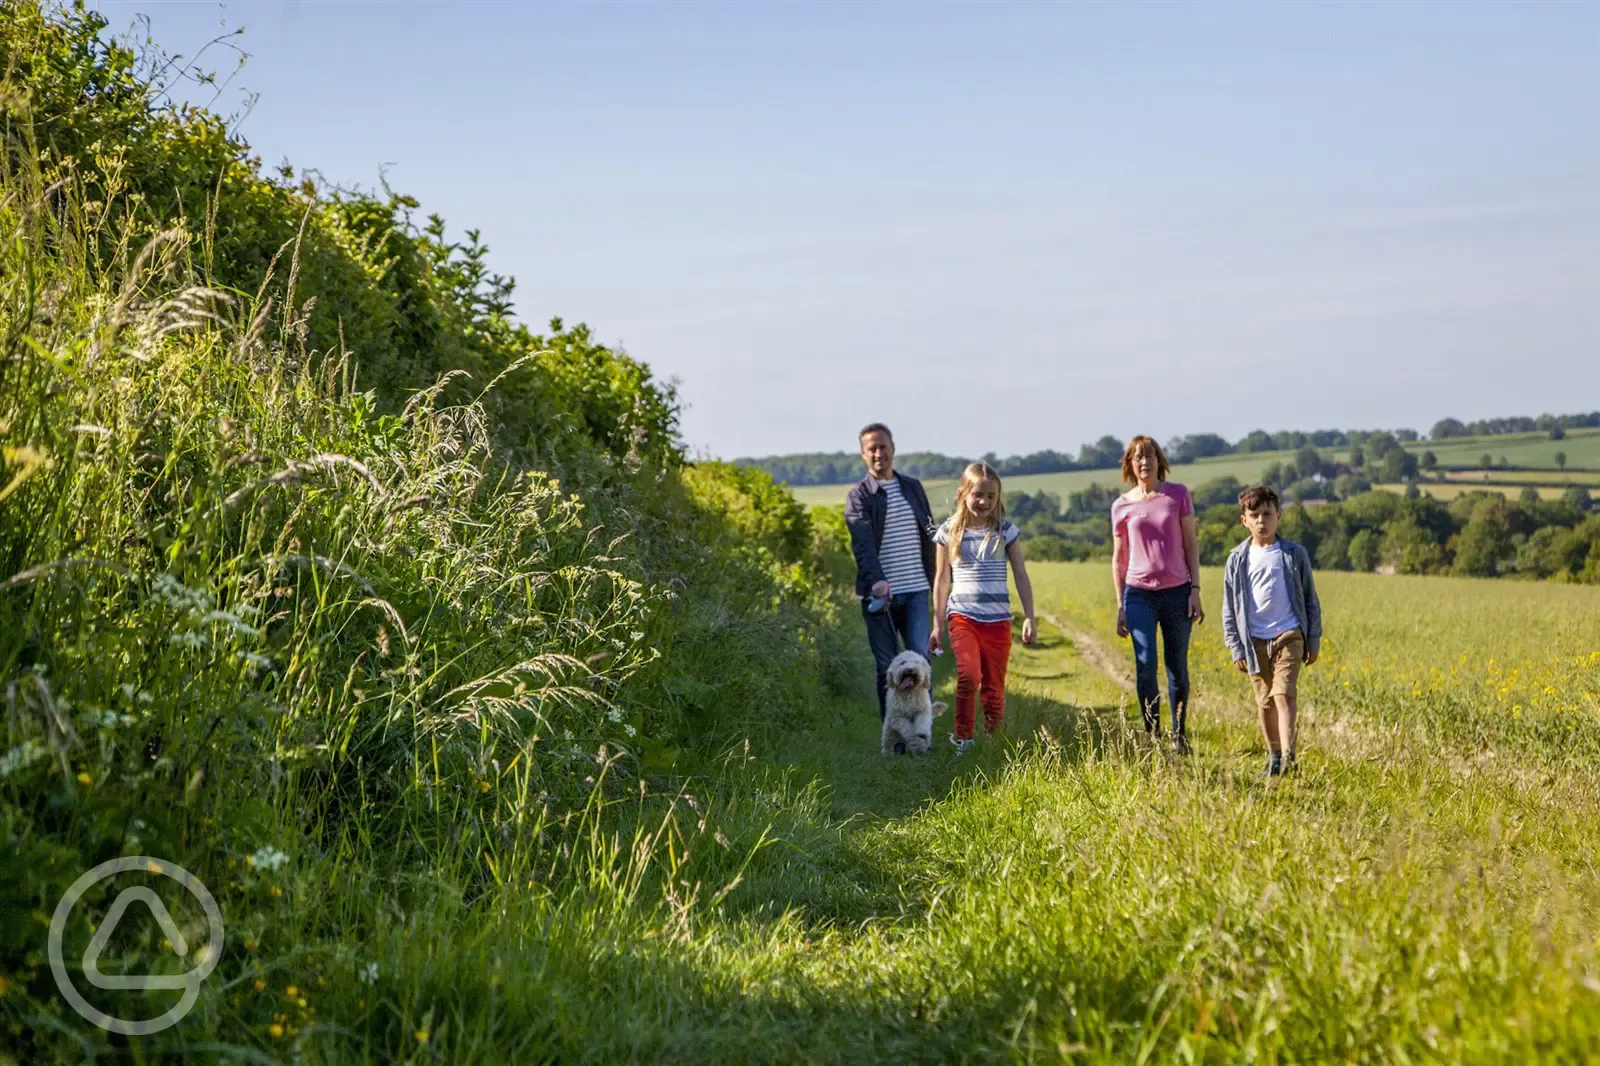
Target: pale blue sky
994	227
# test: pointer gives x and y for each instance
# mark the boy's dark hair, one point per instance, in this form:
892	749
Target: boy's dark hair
1256	497
875	427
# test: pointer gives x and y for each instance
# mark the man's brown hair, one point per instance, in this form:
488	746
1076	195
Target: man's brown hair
875	427
1134	446
1256	497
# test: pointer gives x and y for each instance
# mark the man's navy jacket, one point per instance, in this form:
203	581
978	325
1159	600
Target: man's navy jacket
866	510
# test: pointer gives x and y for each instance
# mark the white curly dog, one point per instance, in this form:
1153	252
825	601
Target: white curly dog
910	709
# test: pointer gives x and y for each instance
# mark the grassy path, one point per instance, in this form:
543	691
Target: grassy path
1422	891
1068	893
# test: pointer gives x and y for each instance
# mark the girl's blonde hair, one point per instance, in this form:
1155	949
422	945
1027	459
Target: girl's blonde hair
973	476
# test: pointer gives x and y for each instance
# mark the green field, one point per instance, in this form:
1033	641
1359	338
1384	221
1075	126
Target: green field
942	492
1582	447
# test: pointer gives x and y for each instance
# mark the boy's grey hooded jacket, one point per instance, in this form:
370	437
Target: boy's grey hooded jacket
1236	600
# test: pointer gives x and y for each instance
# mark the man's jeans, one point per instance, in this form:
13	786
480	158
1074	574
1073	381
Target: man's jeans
1145	609
904	618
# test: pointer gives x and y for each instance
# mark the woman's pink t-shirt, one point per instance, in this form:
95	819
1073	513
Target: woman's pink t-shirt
1154	531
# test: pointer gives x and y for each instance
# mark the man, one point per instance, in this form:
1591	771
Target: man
891	536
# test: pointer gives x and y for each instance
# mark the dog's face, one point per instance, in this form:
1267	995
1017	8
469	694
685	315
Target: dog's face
908	673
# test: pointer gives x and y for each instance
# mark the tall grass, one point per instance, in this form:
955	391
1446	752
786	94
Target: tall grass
394	694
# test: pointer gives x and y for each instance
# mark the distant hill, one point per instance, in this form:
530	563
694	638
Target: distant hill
837	468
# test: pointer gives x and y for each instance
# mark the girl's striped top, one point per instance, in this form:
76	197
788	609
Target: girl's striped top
978	572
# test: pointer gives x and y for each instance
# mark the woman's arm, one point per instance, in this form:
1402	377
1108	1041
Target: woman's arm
1191	556
941	595
1024	590
1119	577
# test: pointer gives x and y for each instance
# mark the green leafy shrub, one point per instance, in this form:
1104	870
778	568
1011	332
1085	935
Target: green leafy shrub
308	548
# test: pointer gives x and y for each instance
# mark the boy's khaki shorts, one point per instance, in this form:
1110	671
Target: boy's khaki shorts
1279	662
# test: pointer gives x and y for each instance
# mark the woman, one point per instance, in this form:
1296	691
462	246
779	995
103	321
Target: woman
1155	566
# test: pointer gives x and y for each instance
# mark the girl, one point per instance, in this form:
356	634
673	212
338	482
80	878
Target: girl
1155	566
969	588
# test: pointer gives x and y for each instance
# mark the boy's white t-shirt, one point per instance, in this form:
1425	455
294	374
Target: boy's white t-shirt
1271	610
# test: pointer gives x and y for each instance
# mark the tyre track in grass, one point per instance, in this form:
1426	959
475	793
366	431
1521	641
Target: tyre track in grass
1091	651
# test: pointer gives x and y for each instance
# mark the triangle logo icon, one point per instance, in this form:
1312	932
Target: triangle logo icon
102	937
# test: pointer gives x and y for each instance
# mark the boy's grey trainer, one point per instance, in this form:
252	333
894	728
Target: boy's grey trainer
961	746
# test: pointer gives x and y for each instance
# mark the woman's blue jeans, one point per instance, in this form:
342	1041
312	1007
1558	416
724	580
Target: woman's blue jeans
1145	610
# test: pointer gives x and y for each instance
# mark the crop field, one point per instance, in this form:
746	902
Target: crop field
1518	477
1449	490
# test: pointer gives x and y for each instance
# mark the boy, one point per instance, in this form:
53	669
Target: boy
1271	619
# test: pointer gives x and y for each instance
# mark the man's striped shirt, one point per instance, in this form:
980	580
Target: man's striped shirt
900	554
978	572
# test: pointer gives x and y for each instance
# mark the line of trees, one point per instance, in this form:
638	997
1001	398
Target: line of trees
1555	425
838	468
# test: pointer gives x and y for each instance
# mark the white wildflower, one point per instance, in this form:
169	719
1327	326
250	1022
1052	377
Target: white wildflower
268	859
258	664
368	974
233	622
189	640
628	729
21	756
